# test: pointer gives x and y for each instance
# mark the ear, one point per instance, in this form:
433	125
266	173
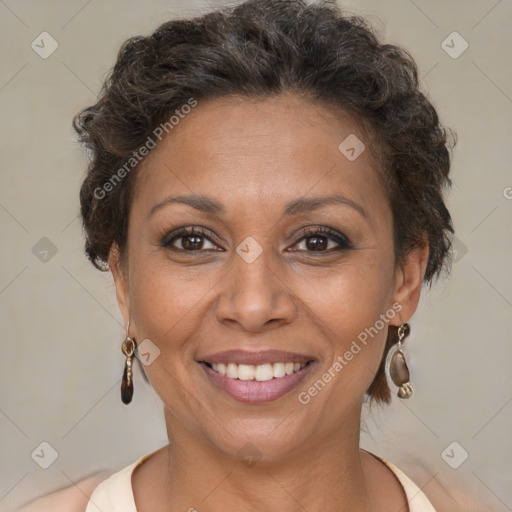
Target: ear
119	273
409	280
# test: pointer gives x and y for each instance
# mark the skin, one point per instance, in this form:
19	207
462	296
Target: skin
254	157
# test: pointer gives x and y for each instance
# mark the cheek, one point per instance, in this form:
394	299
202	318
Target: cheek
168	306
354	293
353	310
166	311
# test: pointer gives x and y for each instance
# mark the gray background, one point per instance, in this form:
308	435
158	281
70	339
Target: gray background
61	331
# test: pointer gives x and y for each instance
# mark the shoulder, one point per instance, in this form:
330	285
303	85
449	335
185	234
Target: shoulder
446	495
69	499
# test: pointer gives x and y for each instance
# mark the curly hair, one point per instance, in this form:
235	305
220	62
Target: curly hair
258	49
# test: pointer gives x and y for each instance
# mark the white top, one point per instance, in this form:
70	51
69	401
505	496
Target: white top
115	494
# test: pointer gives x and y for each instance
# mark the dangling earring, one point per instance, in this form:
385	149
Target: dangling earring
128	347
397	367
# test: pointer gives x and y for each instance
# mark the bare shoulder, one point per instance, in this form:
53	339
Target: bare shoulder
446	495
69	499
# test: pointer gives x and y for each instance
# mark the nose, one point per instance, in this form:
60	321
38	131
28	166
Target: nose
254	296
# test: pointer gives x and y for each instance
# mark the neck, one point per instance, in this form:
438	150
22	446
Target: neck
326	476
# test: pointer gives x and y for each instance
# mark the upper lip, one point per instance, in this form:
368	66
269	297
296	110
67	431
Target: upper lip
256	358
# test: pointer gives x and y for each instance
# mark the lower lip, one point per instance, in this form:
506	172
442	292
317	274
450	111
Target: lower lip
253	391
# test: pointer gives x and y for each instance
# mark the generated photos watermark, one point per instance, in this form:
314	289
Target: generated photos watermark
305	397
151	142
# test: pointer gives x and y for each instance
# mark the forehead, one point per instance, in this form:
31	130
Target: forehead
276	149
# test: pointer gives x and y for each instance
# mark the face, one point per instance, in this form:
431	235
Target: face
258	257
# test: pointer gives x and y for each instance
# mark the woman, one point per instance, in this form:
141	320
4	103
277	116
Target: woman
265	186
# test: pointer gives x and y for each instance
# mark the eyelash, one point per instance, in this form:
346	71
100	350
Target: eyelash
311	232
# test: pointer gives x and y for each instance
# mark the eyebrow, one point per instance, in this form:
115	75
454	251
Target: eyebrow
302	205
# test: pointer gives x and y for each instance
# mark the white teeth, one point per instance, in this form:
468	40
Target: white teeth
232	371
279	370
262	372
246	372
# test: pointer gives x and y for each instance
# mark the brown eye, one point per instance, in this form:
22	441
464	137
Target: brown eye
190	239
316	243
323	240
192	242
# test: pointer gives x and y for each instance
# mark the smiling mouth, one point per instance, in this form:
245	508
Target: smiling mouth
256	377
260	373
